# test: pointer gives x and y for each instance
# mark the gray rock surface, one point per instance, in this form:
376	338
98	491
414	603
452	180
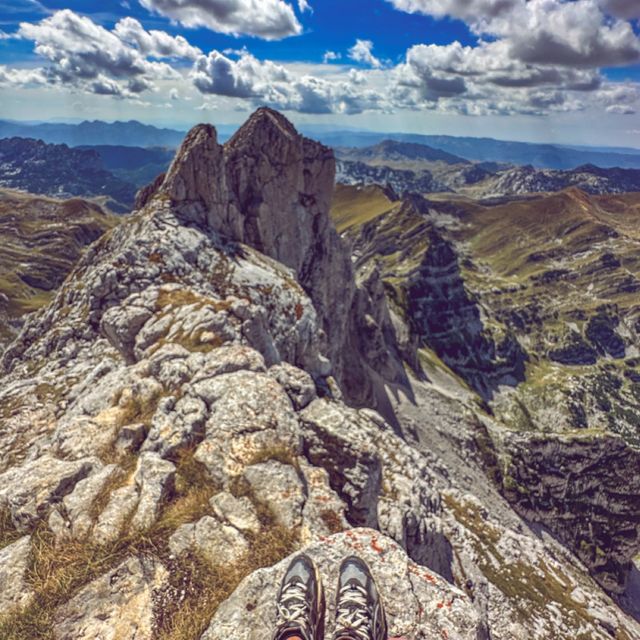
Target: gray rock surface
220	543
114	606
14	563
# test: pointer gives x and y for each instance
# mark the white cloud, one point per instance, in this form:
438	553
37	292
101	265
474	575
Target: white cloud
621	109
21	77
486	79
362	52
574	33
89	57
246	77
174	94
540	56
158	44
303	5
330	56
468	10
268	19
265	82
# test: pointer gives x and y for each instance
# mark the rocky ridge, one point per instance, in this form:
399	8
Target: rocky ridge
415	168
190	432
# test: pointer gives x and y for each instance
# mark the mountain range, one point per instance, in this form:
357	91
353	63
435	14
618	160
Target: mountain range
410	167
136	134
57	170
257	363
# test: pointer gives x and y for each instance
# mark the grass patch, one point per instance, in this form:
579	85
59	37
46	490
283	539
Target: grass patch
8	533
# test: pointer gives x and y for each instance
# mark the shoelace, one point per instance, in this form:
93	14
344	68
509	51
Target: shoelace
353	611
296	607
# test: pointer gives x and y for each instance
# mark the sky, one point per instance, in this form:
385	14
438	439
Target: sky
565	71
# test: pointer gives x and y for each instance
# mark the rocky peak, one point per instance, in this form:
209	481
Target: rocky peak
271	188
263	124
194	172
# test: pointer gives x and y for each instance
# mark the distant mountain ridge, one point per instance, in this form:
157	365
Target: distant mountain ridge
396	150
490	150
412	167
136	134
137	165
130	134
60	171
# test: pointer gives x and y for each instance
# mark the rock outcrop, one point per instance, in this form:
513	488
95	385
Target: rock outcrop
271	188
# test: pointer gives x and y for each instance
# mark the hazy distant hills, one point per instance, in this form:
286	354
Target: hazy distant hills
137	165
416	168
136	134
130	134
394	150
487	149
114	160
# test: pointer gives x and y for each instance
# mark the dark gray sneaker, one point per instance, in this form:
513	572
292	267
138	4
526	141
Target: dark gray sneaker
300	602
359	611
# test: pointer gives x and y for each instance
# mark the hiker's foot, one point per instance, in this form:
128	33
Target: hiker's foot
300	602
359	611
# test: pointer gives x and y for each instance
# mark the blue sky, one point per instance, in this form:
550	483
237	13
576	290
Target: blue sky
554	70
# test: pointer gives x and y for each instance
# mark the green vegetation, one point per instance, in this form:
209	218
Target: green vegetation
357	205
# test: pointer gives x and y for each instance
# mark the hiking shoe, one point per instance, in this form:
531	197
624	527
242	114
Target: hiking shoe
359	610
300	602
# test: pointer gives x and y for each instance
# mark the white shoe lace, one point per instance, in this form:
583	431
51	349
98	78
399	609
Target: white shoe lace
353	611
296	608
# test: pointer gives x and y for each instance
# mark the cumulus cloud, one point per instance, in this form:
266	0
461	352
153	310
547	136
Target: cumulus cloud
265	82
532	56
21	77
303	5
486	79
330	56
89	57
572	33
362	52
246	77
575	33
268	19
157	44
468	10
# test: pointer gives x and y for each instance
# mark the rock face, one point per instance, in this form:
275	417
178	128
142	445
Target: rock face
116	605
430	293
567	484
171	421
271	188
